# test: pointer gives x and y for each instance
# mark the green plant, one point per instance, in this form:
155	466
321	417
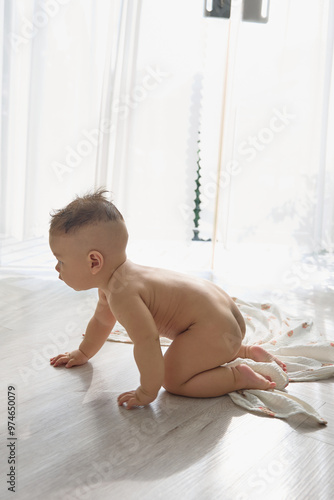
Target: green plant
197	199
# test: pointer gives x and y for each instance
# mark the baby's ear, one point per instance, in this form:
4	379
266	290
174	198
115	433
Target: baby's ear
95	261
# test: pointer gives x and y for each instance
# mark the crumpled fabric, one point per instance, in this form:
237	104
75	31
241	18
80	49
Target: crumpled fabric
295	341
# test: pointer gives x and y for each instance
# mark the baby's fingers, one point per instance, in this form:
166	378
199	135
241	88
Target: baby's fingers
128	398
61	359
132	402
123	398
70	362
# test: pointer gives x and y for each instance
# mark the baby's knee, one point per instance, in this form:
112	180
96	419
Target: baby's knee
171	383
171	386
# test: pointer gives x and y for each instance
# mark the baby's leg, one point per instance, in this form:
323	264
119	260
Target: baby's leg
257	353
192	366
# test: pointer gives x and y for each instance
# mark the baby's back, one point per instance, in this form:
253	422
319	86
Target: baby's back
178	301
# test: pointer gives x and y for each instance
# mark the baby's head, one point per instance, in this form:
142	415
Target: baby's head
88	237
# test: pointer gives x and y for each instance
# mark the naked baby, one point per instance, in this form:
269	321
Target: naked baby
89	239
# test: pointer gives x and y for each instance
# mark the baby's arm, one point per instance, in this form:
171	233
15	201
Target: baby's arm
136	318
96	334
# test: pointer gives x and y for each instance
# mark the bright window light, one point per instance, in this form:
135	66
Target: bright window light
264	8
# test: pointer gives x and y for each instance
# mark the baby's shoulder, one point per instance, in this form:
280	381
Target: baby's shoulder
125	280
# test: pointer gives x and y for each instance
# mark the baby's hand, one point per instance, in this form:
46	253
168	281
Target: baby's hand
135	398
69	359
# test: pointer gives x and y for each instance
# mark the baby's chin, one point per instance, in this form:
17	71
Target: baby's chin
81	288
78	288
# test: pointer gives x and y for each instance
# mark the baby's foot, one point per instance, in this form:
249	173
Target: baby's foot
251	380
257	353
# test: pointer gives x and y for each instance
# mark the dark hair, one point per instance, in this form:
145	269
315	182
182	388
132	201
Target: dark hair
85	210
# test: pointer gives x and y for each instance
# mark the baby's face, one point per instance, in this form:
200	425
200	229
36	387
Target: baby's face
72	264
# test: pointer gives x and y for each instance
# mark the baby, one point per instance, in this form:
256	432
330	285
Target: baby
89	239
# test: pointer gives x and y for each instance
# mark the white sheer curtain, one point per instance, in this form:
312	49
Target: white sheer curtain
324	234
101	93
275	180
116	93
118	97
52	78
158	118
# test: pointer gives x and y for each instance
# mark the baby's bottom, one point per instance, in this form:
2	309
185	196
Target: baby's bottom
193	365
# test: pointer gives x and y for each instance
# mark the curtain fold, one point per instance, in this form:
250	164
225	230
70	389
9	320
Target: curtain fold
52	75
16	88
118	84
324	230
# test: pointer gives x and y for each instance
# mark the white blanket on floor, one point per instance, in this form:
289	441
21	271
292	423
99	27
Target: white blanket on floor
305	351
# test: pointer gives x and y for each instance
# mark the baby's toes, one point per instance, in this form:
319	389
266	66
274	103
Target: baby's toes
281	364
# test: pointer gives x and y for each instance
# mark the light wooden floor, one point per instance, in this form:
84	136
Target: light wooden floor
74	442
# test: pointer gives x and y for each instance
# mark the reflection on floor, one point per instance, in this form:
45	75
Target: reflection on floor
74	442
